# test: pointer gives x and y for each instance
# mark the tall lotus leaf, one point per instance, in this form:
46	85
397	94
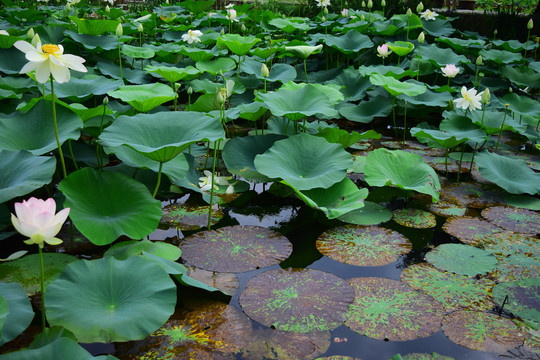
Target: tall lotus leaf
303	51
329	89
20	311
171	73
94	27
107	205
134	76
59	348
344	138
500	57
405	170
197	54
291	24
110	300
429	98
298	103
305	162
352	84
462	128
522	76
137	52
513	175
82	88
441	57
461	44
238	44
34	130
396	87
216	65
401	48
522	105
90	42
378	106
144	97
22	173
387	70
350	43
163	135
426	134
251	112
198	6
438	27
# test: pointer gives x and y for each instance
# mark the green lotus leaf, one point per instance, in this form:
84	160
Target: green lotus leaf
405	170
513	175
278	72
163	135
350	43
60	348
441	56
238	44
173	74
144	97
114	205
352	84
522	105
252	111
305	162
401	48
387	70
461	259
335	201
522	76
197	54
303	51
134	76
447	140
94	27
11	60
109	300
198	6
20	313
4	310
21	173
493	120
329	89
126	249
291	24
17	84
90	42
298	103
371	214
461	44
438	27
462	128
513	45
366	111
34	130
82	88
500	57
346	139
523	201
429	98
216	65
396	87
137	52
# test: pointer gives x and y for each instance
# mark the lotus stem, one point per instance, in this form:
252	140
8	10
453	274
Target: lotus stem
120	58
98	147
501	129
394	114
476	75
158	180
56	130
460	161
476	144
216	147
72	156
419	58
405	122
446	162
42	284
239	64
305	71
175	95
527	43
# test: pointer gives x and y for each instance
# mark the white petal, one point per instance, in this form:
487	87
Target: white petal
62	215
51	231
74	62
43	71
35	56
29	67
24	46
60	73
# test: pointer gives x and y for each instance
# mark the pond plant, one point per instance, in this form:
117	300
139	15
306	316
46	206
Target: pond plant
231	182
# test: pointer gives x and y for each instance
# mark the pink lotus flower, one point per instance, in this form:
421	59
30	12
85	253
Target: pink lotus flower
383	51
450	70
37	220
345	12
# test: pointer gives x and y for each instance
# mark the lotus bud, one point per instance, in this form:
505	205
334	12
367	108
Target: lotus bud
420	7
36	40
30	34
347	4
106	101
323	19
486	96
68	6
190	90
363	18
222	32
363	4
537	146
479	60
177	86
530	24
325	11
383	3
219	98
409	12
140	28
243	28
264	71
107	9
283	16
167	2
495	32
119	30
450	105
421	38
510	90
370	4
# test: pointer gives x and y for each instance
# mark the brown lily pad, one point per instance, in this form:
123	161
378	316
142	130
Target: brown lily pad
415	218
235	248
189	217
514	219
522	298
469	229
516	267
453	291
363	245
389	309
447	209
471	195
482	331
337	357
508	243
432	356
298	300
270	344
226	282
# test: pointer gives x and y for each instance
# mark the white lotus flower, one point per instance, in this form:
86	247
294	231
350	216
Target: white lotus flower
323	3
429	15
231	15
383	51
470	99
192	36
49	59
450	70
205	182
37	220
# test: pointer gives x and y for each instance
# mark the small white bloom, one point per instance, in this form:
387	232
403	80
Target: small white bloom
192	36
429	15
450	70
231	15
383	51
470	99
229	6
4	32
323	3
205	182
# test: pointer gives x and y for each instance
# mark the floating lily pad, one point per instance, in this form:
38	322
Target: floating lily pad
227	283
462	259
20	313
415	218
419	356
469	229
208	330
471	195
523	298
508	243
363	246
270	344
337	357
235	248
516	267
517	220
126	249
481	331
302	300
389	309
454	292
26	270
447	209
371	214
188	217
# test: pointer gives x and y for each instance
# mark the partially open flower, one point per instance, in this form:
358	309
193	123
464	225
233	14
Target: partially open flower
383	51
450	70
231	15
345	12
429	15
192	36
323	3
205	182
470	99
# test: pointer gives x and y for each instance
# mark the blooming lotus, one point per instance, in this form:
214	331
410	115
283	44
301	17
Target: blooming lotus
450	70
231	15
429	15
49	60
470	99
323	3
37	220
205	182
383	51
345	12
192	36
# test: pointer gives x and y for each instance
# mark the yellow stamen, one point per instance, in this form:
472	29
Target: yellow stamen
50	48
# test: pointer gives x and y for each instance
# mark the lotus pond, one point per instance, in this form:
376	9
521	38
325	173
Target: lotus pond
208	182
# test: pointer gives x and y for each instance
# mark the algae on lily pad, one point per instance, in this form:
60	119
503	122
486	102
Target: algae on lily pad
297	300
363	245
482	331
235	248
523	298
516	267
189	217
469	229
389	309
462	259
454	292
471	195
514	219
415	218
508	243
447	209
227	283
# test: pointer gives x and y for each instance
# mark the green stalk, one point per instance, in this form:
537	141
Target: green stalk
405	122
394	114
98	148
56	130
419	57
305	71
42	284
158	180
71	154
476	144
120	58
501	129
527	43
216	147
460	161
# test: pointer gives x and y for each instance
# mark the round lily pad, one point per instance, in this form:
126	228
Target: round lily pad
226	282
187	217
300	300
337	357
432	356
363	245
516	267
270	344
481	331
415	218
508	243
471	195
469	229
389	309
371	214
514	219
209	330
523	298
447	209
461	259
455	292
235	248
